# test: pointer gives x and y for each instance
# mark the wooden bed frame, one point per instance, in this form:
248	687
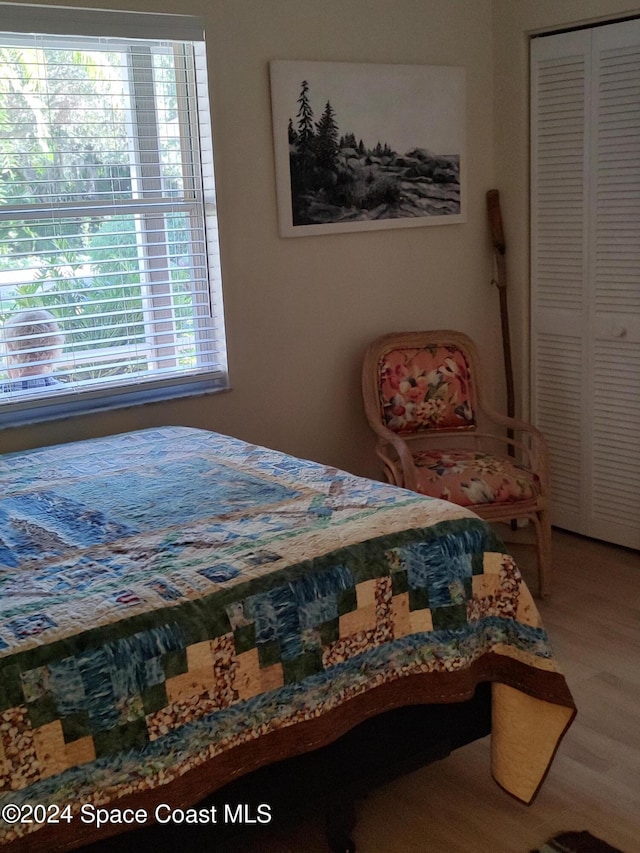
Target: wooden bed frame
330	779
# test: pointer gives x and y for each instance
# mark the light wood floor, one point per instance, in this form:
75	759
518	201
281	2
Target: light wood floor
453	806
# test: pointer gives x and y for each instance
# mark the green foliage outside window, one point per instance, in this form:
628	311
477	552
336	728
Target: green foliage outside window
89	277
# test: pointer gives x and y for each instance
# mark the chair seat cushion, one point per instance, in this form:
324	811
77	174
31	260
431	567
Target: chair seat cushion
469	478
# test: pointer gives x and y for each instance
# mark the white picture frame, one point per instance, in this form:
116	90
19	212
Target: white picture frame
361	147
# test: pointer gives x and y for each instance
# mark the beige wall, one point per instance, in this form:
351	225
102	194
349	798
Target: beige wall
513	23
299	311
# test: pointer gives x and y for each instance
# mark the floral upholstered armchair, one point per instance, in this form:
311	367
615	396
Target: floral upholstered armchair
438	437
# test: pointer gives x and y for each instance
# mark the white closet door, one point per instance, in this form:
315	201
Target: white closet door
560	70
586	274
614	505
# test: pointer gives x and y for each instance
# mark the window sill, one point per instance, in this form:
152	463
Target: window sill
40	411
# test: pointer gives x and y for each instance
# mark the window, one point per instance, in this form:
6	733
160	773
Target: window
110	285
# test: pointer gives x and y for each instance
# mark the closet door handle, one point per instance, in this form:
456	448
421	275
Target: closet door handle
619	332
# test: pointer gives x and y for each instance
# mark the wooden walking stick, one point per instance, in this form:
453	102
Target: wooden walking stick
499	251
500	279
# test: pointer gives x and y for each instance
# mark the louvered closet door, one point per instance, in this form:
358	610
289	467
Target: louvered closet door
614	511
559	189
586	274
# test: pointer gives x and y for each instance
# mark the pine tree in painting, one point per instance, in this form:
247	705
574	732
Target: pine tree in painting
305	117
327	138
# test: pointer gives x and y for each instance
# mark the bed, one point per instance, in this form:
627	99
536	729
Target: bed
181	609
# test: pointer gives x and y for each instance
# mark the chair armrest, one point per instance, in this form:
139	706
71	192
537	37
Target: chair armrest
388	437
537	451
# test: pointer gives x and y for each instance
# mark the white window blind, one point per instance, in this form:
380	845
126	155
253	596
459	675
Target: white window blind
110	285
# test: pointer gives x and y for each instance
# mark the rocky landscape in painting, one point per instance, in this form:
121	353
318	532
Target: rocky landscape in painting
337	178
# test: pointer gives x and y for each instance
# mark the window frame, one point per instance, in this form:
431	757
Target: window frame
197	200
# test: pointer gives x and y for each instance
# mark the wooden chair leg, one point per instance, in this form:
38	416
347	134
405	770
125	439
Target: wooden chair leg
543	548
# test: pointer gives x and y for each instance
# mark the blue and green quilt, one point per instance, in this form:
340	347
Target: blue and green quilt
171	600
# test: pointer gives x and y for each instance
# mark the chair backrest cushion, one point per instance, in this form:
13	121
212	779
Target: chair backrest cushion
426	388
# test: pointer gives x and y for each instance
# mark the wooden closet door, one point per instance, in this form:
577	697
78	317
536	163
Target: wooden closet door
585	298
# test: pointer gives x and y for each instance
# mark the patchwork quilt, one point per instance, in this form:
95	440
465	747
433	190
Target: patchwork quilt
177	605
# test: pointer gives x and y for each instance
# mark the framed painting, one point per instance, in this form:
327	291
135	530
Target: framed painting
363	147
